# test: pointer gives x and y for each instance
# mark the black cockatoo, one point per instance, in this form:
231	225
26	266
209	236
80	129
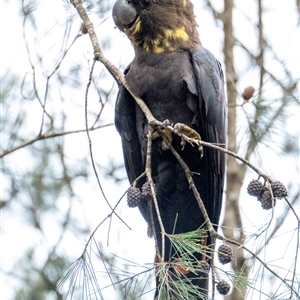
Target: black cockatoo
180	81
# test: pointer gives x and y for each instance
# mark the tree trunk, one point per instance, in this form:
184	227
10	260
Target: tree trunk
232	224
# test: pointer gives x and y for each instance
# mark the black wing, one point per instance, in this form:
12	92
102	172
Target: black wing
126	126
125	122
212	105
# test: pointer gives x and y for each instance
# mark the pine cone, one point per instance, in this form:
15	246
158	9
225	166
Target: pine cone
266	200
223	287
255	188
225	254
133	197
264	189
146	191
204	266
278	189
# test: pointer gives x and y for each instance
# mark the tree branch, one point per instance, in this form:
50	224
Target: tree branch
114	71
211	230
50	136
150	180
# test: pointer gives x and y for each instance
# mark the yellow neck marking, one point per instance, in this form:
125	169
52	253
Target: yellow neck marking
176	34
166	41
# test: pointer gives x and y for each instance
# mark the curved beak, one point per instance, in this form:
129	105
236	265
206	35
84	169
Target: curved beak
124	14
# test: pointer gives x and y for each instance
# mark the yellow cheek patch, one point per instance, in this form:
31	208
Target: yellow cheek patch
153	45
175	34
158	49
167	44
137	28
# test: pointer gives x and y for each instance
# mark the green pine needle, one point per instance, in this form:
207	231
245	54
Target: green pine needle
176	286
188	243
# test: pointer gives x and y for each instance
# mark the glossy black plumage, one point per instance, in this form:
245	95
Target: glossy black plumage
183	86
163	81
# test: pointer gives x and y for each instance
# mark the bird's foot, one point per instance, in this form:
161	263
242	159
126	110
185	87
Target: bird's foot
166	123
189	135
167	132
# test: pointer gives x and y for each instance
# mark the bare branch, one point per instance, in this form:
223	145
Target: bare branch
237	170
50	136
191	183
115	72
150	180
90	145
280	221
205	215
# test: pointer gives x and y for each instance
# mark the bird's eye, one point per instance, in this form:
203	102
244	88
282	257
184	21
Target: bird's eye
145	3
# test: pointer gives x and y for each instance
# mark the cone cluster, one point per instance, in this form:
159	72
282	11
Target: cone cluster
262	192
134	197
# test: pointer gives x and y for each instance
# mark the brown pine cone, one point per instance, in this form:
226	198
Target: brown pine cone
146	191
266	200
133	197
225	254
264	189
255	188
278	189
204	266
223	287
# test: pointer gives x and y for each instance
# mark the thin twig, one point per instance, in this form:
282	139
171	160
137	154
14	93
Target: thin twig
221	149
119	77
43	105
220	237
50	136
297	244
150	180
108	216
90	144
114	71
279	222
191	183
212	231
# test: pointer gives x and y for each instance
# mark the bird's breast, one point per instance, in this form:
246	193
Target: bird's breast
161	81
